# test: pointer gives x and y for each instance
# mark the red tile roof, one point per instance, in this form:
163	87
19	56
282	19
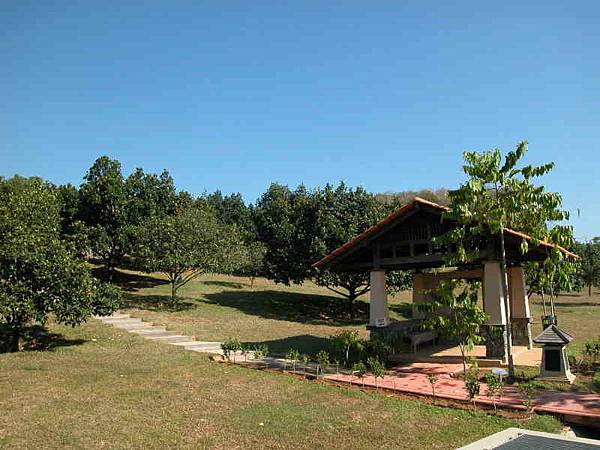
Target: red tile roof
398	213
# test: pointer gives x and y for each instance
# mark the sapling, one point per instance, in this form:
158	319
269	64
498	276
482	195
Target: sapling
322	358
359	369
377	369
293	356
230	347
495	389
472	385
528	392
432	378
304	359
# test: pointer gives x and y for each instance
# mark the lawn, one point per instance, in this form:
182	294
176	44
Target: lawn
104	388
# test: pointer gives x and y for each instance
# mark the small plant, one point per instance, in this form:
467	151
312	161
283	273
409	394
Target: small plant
376	348
304	359
432	378
529	393
244	350
293	356
359	369
322	358
472	385
230	347
377	369
261	351
495	389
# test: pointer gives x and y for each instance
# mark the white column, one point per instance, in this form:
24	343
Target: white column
493	297
378	306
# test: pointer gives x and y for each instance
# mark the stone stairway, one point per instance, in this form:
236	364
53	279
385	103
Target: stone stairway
159	333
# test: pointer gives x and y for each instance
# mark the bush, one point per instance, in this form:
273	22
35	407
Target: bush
378	349
322	358
596	379
347	347
230	347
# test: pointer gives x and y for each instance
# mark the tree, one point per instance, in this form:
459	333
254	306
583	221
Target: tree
232	210
149	195
252	260
299	227
589	266
39	273
499	195
104	208
377	368
456	314
185	246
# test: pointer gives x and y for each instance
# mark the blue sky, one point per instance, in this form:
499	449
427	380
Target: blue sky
235	95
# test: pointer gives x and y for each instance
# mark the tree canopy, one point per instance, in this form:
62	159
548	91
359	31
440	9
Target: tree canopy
39	273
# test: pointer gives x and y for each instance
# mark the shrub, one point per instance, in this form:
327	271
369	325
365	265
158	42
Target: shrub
230	347
347	346
596	379
261	351
359	369
376	348
495	388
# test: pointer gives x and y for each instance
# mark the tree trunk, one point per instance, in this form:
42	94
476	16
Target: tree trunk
509	352
174	290
351	300
590	290
15	337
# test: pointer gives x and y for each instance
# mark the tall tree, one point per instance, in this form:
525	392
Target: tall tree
232	210
104	208
39	273
589	266
186	245
498	195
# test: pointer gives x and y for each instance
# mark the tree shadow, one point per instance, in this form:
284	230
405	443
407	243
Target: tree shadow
402	309
158	303
568	304
225	284
304	344
292	306
37	338
129	281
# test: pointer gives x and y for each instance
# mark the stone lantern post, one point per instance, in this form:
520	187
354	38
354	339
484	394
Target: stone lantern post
555	364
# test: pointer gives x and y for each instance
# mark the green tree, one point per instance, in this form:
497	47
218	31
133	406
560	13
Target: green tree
252	260
39	274
149	195
589	266
187	245
104	208
500	195
232	210
456	314
377	368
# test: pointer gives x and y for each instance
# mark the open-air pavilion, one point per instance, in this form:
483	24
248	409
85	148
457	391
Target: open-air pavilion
403	241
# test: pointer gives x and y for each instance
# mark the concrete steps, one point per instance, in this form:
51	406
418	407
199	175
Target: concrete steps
159	333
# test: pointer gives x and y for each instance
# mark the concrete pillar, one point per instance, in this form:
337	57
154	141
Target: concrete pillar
519	307
378	306
496	344
493	297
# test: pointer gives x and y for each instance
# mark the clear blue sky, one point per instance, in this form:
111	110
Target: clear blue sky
235	95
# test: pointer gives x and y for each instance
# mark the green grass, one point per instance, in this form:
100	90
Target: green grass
105	388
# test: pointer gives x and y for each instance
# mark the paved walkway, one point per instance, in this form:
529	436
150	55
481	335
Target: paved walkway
413	379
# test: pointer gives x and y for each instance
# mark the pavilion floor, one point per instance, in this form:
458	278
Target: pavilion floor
445	354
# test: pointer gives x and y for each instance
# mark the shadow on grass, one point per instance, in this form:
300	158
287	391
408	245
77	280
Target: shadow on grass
576	304
402	309
292	306
159	303
304	344
37	338
129	281
225	284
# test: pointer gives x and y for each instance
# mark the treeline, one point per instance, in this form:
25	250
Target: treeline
142	221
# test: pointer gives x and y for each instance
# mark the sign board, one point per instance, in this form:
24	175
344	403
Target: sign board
381	322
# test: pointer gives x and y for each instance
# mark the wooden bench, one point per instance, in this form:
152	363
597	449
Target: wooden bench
421	337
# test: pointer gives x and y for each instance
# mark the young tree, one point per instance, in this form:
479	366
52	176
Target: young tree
432	378
360	369
589	266
39	274
377	368
456	314
252	260
185	246
499	195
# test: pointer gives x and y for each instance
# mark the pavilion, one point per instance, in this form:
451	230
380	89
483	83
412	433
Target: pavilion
403	241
